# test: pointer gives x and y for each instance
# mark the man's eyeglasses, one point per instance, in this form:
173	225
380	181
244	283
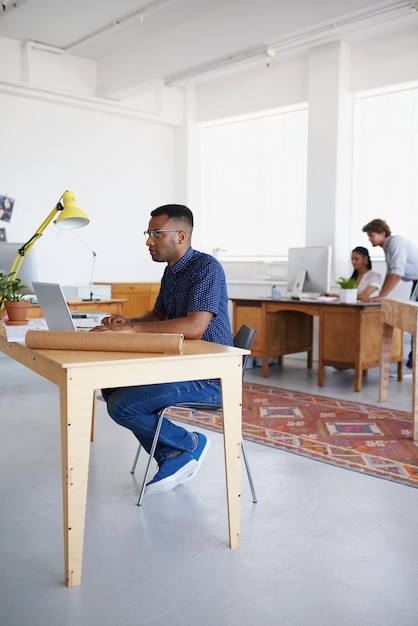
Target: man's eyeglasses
157	233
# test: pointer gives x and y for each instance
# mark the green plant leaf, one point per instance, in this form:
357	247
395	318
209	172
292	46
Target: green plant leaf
347	283
10	288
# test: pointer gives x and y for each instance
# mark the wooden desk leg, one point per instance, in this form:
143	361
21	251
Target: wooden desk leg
387	334
414	387
357	377
93	418
400	370
232	425
265	370
321	368
75	404
321	372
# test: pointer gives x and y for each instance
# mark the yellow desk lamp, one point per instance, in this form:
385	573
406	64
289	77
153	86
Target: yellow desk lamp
69	216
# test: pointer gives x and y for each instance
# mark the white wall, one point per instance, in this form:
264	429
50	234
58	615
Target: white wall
118	159
119	170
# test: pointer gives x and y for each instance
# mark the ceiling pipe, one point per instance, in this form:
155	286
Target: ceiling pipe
141	14
360	19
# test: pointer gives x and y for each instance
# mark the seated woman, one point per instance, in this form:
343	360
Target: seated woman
369	283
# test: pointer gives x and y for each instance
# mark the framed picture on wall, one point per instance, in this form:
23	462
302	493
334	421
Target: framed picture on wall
3	235
6	208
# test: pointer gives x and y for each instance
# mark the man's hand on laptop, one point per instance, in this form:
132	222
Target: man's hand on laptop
114	323
115	319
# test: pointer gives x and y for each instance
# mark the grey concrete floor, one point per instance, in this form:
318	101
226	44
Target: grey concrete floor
324	546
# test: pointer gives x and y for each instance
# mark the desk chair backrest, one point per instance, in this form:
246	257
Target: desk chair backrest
244	339
414	294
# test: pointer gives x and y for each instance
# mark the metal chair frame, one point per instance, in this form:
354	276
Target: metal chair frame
243	339
414	295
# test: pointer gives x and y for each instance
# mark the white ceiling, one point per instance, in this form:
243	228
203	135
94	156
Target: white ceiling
140	41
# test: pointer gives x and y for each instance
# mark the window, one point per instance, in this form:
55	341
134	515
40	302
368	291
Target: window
385	165
254	184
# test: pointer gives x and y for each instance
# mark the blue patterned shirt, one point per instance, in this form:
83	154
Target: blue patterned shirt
197	283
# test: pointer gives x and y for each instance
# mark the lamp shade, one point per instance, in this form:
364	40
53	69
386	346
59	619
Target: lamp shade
70	216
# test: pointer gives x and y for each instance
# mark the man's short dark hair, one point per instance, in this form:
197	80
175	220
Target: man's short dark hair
377	226
175	211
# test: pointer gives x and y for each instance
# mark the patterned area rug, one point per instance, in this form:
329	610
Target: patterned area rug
370	439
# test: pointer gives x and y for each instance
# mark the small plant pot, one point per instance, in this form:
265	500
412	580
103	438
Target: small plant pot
348	296
16	312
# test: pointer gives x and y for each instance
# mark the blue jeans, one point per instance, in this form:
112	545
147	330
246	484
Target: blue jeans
137	408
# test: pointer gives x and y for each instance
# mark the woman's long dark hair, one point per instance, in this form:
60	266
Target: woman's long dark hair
363	252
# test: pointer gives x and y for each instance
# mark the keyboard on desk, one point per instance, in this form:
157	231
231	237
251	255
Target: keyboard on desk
307	296
86	321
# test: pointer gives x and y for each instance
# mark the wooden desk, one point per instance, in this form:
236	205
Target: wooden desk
404	315
349	334
112	306
79	374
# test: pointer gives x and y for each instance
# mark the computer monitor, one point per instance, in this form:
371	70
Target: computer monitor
316	260
27	273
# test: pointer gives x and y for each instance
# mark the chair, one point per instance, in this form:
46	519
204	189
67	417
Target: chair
243	339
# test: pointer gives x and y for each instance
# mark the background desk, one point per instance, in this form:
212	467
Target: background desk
112	306
79	374
349	334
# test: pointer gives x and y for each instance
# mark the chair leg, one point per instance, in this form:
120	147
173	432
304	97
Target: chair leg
151	455
134	464
247	467
133	468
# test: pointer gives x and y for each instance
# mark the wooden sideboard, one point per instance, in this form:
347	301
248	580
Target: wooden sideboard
128	299
349	334
139	297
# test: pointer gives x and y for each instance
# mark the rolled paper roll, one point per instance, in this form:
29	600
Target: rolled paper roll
105	341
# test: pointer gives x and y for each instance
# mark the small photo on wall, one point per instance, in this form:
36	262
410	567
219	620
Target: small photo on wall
6	208
3	235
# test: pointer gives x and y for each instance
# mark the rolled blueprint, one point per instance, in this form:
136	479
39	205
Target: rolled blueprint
105	341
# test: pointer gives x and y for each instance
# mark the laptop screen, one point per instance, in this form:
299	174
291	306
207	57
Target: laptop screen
56	311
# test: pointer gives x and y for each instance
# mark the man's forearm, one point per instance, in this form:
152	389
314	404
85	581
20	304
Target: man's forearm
389	284
192	326
149	316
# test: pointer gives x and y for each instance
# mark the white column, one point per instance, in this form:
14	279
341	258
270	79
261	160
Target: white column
329	153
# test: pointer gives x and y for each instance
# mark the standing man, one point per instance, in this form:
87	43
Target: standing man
192	300
401	259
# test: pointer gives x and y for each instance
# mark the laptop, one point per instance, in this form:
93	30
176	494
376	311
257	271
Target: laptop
57	313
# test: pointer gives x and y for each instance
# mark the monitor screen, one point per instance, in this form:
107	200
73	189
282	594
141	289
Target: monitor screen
27	272
316	260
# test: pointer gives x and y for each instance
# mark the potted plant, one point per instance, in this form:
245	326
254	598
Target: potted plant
348	290
12	299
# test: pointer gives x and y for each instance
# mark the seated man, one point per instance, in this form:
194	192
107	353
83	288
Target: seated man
192	300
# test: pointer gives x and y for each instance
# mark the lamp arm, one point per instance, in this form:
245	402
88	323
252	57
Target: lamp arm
22	252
